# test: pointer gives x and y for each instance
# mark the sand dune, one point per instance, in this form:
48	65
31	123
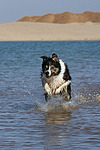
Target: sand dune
64	18
33	31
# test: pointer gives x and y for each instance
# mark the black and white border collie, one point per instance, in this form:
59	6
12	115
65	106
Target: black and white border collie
56	79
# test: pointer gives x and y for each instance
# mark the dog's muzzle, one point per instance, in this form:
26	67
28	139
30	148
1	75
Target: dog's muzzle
48	73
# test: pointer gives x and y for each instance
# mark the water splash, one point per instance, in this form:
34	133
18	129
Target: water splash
58	105
34	100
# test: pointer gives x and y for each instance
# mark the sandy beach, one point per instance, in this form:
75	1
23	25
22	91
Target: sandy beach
34	31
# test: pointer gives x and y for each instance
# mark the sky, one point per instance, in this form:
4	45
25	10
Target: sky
13	10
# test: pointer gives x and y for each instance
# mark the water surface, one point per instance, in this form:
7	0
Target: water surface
26	120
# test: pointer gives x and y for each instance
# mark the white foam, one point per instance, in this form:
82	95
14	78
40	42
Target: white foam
55	104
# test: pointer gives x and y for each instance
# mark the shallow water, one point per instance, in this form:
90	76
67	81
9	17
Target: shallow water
26	121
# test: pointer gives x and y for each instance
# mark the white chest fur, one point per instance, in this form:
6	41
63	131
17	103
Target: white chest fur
56	81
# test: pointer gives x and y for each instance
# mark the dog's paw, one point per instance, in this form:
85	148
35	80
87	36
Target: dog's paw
47	89
62	87
57	91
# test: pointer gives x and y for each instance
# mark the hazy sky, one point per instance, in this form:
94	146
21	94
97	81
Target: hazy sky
12	10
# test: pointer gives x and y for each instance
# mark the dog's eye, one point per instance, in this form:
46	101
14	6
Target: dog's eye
52	68
46	66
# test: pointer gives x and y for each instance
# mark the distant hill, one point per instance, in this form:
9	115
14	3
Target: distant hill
63	18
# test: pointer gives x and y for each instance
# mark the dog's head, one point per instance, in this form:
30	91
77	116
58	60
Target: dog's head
50	66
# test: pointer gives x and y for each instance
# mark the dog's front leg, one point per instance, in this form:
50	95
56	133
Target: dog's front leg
62	87
47	89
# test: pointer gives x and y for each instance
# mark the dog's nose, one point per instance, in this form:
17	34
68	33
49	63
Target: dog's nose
47	73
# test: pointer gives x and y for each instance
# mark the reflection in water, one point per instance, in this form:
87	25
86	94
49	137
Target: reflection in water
57	128
58	118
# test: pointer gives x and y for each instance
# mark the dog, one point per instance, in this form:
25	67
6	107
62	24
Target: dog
56	79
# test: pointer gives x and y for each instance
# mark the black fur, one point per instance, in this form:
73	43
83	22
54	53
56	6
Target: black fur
66	74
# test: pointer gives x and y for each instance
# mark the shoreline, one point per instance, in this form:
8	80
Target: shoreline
50	40
33	31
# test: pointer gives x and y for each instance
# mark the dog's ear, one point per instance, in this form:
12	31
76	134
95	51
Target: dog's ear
55	57
44	58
